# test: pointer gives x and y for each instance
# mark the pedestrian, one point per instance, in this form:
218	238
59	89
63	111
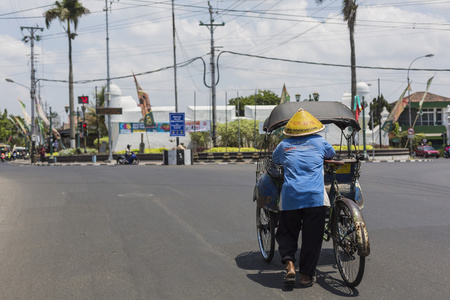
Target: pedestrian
303	201
42	153
55	145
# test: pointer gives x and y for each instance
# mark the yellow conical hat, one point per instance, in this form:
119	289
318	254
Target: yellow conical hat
303	123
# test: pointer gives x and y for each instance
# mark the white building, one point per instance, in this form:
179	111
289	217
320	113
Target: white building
128	127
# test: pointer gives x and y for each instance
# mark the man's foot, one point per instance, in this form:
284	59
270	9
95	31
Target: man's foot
289	278
306	281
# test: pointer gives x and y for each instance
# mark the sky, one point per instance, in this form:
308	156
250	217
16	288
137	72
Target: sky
298	43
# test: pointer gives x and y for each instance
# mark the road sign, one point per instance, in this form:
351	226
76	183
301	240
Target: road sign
108	110
410	131
177	124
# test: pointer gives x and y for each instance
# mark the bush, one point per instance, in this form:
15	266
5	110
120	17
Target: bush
352	147
232	149
77	151
153	150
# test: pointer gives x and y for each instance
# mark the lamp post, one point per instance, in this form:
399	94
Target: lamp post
409	98
32	97
83	108
51	116
78	130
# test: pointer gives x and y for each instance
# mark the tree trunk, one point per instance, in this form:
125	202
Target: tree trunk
71	98
351	27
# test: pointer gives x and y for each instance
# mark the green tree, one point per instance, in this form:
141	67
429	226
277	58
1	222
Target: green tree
263	97
201	140
349	8
377	103
229	134
9	132
68	12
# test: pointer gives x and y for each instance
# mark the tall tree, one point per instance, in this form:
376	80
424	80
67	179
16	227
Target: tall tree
68	12
349	8
263	97
376	107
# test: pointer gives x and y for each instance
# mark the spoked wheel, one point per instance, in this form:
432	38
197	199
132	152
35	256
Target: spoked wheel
350	264
265	226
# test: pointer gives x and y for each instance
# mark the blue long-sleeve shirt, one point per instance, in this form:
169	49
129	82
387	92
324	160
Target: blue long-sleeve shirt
302	159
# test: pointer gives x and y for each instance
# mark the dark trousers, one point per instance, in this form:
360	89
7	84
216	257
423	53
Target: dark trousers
311	221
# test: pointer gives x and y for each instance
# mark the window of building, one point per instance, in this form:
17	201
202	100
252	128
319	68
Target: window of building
438	116
430	117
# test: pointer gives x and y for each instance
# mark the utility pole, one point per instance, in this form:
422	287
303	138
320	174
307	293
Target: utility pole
31	37
98	130
175	63
379	109
211	26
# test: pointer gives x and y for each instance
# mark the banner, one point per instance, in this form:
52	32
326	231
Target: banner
146	108
21	126
419	112
25	114
128	128
45	121
357	108
425	94
396	112
284	95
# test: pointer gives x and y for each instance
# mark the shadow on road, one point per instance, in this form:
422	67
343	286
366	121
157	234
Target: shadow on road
271	274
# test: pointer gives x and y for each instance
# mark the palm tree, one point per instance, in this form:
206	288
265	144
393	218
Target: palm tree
68	12
349	8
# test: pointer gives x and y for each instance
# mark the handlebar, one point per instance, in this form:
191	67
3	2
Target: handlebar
333	162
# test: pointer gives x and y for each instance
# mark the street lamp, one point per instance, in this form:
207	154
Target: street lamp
83	108
51	116
32	97
409	98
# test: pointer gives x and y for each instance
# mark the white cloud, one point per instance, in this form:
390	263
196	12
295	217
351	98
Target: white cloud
141	41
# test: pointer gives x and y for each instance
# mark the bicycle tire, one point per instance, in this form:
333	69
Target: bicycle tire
265	228
345	245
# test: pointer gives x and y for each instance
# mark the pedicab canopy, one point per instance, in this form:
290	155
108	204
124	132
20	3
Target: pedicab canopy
327	112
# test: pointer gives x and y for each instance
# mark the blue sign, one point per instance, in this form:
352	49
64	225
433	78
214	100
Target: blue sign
177	124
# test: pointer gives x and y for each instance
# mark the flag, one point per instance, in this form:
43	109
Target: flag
396	112
25	114
419	112
425	94
146	108
285	95
41	113
46	121
21	126
357	107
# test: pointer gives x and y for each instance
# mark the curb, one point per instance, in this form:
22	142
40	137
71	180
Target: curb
198	163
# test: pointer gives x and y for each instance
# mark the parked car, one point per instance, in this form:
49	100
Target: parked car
426	151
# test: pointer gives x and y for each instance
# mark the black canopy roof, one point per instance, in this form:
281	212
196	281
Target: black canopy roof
326	112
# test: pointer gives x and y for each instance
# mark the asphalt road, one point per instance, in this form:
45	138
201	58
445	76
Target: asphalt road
188	232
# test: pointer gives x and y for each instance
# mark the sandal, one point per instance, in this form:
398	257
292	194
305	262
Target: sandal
307	283
289	278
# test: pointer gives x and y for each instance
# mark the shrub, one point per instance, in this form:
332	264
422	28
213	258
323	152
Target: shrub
232	149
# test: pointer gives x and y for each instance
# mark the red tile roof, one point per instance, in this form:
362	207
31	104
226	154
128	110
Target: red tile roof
417	96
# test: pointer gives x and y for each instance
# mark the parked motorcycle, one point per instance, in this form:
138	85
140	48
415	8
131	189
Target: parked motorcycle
446	154
131	160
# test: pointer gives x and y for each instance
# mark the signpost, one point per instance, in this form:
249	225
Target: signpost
410	133
108	110
177	124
